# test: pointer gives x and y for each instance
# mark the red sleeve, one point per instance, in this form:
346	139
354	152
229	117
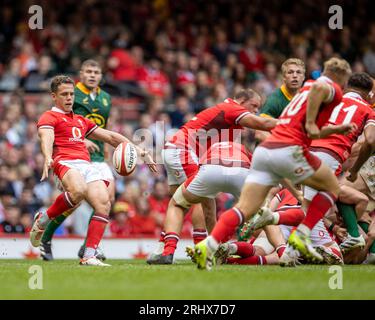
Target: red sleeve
47	120
91	126
336	94
371	119
234	113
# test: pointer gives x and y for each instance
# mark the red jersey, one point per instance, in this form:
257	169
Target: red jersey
70	131
291	128
230	154
215	124
352	109
287	200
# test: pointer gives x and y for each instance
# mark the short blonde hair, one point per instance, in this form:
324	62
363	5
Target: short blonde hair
337	66
296	61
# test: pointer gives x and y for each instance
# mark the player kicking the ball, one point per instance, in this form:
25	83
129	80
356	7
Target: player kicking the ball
285	155
93	103
62	135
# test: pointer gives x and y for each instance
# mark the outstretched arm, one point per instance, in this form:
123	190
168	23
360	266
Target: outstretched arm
258	123
114	139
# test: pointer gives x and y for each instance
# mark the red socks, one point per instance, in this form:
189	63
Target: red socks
96	230
280	250
227	224
199	235
170	243
318	207
254	260
62	203
244	249
291	217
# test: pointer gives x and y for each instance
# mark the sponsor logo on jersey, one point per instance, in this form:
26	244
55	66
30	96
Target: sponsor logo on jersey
77	135
97	119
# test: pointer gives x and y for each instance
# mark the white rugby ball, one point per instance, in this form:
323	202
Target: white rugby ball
124	159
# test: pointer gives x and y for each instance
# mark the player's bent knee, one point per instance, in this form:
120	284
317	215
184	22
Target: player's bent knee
78	194
180	199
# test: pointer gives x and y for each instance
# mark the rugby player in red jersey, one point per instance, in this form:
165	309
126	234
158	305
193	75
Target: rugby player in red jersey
223	168
285	154
62	135
334	151
220	123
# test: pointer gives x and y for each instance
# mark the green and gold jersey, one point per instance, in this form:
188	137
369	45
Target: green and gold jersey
97	110
276	103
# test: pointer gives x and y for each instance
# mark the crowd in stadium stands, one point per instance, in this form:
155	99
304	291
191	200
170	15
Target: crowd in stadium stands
173	57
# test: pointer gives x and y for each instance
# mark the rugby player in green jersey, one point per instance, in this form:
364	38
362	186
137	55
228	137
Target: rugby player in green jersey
293	72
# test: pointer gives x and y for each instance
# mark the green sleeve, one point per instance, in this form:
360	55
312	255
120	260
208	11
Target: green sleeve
271	108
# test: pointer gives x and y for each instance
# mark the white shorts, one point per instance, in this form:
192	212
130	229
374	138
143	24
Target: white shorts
213	179
328	160
88	171
367	173
105	169
270	166
180	164
319	234
263	243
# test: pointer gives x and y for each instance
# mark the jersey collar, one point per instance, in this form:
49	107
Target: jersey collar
84	89
229	100
285	92
55	109
352	94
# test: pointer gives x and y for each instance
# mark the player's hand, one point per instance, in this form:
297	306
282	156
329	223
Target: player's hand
348	128
352	176
147	158
91	146
341	233
47	165
312	130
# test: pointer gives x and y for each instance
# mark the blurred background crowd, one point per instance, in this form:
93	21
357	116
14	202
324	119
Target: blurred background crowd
162	60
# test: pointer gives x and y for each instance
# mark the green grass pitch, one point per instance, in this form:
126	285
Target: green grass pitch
134	279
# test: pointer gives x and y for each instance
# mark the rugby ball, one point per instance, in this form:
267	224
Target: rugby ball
124	159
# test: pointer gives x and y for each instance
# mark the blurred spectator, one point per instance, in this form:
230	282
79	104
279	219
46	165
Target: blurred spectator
12	222
182	108
142	223
11	77
251	57
37	80
158	202
153	80
119	225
